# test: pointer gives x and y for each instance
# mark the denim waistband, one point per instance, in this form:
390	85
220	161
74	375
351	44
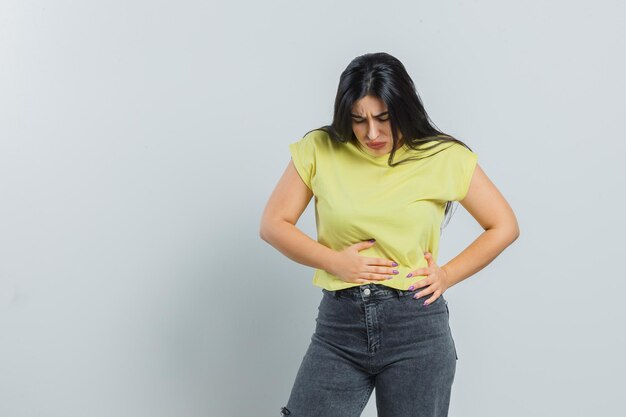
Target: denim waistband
369	291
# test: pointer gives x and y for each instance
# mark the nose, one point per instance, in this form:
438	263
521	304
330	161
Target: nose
372	130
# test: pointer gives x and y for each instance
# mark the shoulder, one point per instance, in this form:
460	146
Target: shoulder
451	150
446	157
317	138
314	142
462	154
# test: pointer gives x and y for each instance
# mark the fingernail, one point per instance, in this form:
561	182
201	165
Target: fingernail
411	287
372	240
395	271
425	304
410	274
394	264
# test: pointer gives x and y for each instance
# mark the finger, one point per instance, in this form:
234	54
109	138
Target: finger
380	277
359	246
431	299
418	285
380	261
387	272
418	272
375	276
429	258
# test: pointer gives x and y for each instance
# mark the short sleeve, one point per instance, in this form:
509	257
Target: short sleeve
460	164
303	156
464	165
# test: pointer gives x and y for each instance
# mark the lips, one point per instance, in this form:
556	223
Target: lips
376	145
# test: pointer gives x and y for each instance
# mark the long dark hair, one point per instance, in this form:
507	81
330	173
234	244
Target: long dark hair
383	76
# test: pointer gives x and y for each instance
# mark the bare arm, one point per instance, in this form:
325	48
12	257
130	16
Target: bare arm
490	209
285	206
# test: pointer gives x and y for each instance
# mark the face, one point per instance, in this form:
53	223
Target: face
371	126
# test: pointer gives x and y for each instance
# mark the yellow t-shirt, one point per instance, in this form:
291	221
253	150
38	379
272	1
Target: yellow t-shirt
358	197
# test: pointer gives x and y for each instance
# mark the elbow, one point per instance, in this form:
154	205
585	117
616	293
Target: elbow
514	233
263	232
270	228
265	227
507	233
511	228
266	230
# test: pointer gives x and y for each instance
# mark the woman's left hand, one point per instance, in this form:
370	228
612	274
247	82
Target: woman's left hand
436	282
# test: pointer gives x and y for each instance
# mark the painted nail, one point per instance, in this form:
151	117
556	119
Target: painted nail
425	304
410	274
394	264
411	287
395	272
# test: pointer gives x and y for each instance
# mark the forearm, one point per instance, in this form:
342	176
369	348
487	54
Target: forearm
478	254
297	246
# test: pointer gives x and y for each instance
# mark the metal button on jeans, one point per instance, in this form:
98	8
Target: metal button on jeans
366	291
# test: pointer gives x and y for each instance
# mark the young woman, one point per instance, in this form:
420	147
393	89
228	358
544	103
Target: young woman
384	178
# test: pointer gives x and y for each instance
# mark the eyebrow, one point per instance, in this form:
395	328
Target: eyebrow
376	115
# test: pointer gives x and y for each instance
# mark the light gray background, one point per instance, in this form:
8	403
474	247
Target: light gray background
140	140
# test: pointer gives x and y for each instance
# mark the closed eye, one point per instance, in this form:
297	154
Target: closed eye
362	120
383	117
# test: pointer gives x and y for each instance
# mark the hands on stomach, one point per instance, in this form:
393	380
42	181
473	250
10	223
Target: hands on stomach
351	267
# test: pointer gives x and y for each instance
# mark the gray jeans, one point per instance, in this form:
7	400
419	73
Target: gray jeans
372	336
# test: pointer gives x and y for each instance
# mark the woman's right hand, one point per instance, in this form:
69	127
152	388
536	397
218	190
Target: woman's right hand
351	267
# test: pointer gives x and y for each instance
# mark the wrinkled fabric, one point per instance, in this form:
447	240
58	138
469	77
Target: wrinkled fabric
359	197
